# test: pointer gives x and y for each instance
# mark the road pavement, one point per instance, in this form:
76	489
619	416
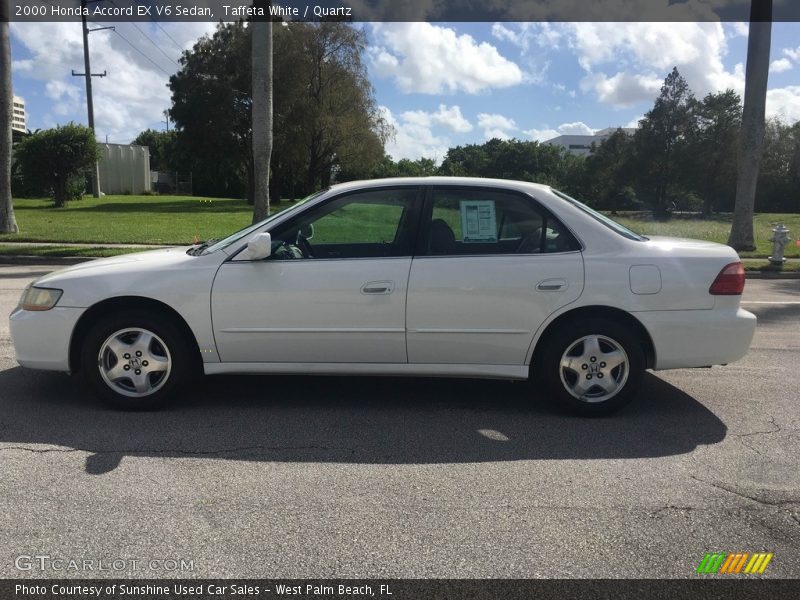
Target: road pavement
283	477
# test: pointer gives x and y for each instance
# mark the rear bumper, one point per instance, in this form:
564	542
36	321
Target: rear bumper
41	339
698	338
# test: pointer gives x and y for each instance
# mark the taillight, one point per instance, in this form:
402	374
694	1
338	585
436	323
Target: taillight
729	282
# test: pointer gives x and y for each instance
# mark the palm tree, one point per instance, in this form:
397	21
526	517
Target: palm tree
8	223
752	139
261	53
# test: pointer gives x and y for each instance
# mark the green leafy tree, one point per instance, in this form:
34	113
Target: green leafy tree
609	170
162	148
341	123
324	113
422	167
779	172
8	223
516	159
211	112
60	159
660	139
712	143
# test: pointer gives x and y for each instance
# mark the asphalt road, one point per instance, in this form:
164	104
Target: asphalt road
363	477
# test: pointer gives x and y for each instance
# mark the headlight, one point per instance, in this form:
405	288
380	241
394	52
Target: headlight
34	298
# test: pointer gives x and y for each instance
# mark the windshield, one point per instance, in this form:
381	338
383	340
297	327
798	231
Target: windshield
610	223
235	237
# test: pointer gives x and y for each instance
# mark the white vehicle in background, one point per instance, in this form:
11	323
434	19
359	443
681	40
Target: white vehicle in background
445	277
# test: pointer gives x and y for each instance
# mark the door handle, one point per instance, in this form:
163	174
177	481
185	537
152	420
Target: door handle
552	285
378	287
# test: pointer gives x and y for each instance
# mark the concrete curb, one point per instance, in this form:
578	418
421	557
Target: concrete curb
13	259
768	275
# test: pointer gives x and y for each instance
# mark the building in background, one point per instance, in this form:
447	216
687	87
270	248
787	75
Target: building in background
18	122
124	169
581	145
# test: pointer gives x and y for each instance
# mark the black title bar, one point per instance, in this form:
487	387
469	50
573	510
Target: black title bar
400	10
704	588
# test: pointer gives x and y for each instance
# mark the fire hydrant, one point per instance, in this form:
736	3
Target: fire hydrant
779	240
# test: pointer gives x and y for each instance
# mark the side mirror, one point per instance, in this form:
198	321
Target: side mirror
258	248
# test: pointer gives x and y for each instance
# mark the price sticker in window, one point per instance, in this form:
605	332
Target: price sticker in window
478	222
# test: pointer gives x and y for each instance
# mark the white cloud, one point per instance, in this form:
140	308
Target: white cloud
784	103
501	32
544	134
524	35
430	59
780	65
634	122
623	89
793	53
541	135
577	128
413	139
451	118
739	29
642	54
496	126
132	96
66	97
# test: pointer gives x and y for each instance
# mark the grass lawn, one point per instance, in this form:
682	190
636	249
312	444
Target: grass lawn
131	219
717	228
177	219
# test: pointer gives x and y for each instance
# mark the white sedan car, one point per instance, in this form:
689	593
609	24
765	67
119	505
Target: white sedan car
444	277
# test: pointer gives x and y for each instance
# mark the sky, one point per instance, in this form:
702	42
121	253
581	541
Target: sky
439	84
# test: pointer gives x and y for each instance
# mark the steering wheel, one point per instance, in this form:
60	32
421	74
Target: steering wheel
304	245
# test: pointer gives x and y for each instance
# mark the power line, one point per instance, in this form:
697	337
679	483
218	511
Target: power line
166	33
149	39
154	63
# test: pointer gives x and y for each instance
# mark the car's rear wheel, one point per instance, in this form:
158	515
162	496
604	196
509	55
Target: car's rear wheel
592	366
135	360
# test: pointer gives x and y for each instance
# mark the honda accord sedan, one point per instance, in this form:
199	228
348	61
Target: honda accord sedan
442	277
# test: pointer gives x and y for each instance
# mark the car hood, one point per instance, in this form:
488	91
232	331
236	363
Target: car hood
166	258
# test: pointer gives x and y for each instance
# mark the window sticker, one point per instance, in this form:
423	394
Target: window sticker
478	221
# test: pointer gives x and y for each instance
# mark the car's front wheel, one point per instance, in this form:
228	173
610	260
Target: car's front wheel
593	366
134	359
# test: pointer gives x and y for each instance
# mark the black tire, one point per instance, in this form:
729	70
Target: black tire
625	379
167	342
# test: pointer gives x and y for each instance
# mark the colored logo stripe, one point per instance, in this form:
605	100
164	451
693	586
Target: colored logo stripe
724	562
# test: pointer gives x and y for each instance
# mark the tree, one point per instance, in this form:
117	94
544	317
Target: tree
261	64
779	172
659	138
162	148
211	112
752	139
342	124
324	116
59	158
712	144
8	222
608	171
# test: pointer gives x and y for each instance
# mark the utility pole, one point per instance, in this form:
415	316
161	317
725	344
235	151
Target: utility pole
89	101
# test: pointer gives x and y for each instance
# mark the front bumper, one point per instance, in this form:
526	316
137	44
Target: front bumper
698	338
41	338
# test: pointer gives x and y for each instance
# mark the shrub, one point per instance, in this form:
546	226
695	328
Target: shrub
58	159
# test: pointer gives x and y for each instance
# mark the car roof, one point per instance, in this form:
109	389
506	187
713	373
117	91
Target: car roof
439	180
